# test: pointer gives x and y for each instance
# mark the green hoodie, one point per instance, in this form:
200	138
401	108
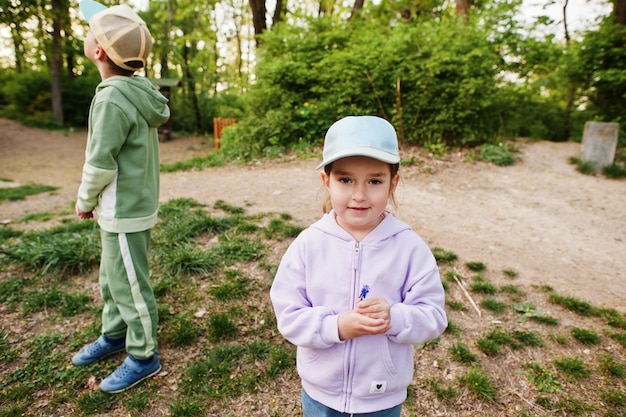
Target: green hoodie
121	172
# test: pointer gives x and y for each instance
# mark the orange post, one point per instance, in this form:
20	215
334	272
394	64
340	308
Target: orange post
219	124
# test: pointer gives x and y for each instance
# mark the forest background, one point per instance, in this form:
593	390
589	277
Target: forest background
447	74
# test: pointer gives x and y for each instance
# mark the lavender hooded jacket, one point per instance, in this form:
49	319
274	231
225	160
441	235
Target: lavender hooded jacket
321	275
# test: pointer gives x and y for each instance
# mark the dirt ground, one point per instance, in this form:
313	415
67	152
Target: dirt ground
540	217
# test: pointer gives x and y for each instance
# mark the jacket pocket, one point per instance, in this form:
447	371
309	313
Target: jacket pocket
323	368
381	366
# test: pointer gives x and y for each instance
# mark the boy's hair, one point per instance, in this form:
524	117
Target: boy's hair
327	205
122	34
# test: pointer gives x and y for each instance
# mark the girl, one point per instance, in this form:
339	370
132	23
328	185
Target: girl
358	288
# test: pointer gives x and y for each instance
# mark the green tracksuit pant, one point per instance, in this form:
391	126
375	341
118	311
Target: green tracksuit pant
129	306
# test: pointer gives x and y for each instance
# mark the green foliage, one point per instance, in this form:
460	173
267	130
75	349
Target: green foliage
542	378
496	154
438	81
29	98
603	68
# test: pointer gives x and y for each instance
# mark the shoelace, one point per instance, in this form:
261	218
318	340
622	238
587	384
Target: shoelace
123	370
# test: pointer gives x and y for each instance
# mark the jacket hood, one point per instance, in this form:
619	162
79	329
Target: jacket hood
143	95
389	227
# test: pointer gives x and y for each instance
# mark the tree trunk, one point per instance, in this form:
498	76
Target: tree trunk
279	12
258	18
56	61
463	7
620	12
358	5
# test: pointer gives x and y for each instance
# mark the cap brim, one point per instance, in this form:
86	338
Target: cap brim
361	151
89	8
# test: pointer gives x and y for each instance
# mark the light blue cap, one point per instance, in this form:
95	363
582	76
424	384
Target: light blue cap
89	8
368	136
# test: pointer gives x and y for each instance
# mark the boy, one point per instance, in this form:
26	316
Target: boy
120	181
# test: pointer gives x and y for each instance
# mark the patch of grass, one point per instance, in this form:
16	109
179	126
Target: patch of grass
94	402
74	304
527	338
12	291
613	397
234	286
278	229
585	336
221	327
580	307
584	167
512	290
609	366
558	338
491	304
510	273
613	317
573	368
542	378
38	217
482	286
529	311
614	171
182	331
280	359
456	305
69	249
476	266
222	205
490	344
23	191
36	300
479	383
189	406
443	256
212	159
186	259
620	338
462	354
499	155
443	392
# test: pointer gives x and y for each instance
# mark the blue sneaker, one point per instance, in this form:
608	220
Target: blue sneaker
96	351
129	374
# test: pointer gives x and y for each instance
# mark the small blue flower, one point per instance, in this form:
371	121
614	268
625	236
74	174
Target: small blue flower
364	291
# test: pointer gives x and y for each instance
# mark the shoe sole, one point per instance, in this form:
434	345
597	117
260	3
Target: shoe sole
133	384
123	348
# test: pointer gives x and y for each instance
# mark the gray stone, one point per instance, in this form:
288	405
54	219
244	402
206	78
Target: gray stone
599	143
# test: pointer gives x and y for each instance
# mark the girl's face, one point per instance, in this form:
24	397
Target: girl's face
359	189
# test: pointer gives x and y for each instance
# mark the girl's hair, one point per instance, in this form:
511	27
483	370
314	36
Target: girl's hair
327	205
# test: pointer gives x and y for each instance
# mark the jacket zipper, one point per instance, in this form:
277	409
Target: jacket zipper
355	269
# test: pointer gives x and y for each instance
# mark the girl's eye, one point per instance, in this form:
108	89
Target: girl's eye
344	180
376	182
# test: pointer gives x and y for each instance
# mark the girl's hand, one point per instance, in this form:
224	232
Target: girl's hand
83	215
371	317
376	308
